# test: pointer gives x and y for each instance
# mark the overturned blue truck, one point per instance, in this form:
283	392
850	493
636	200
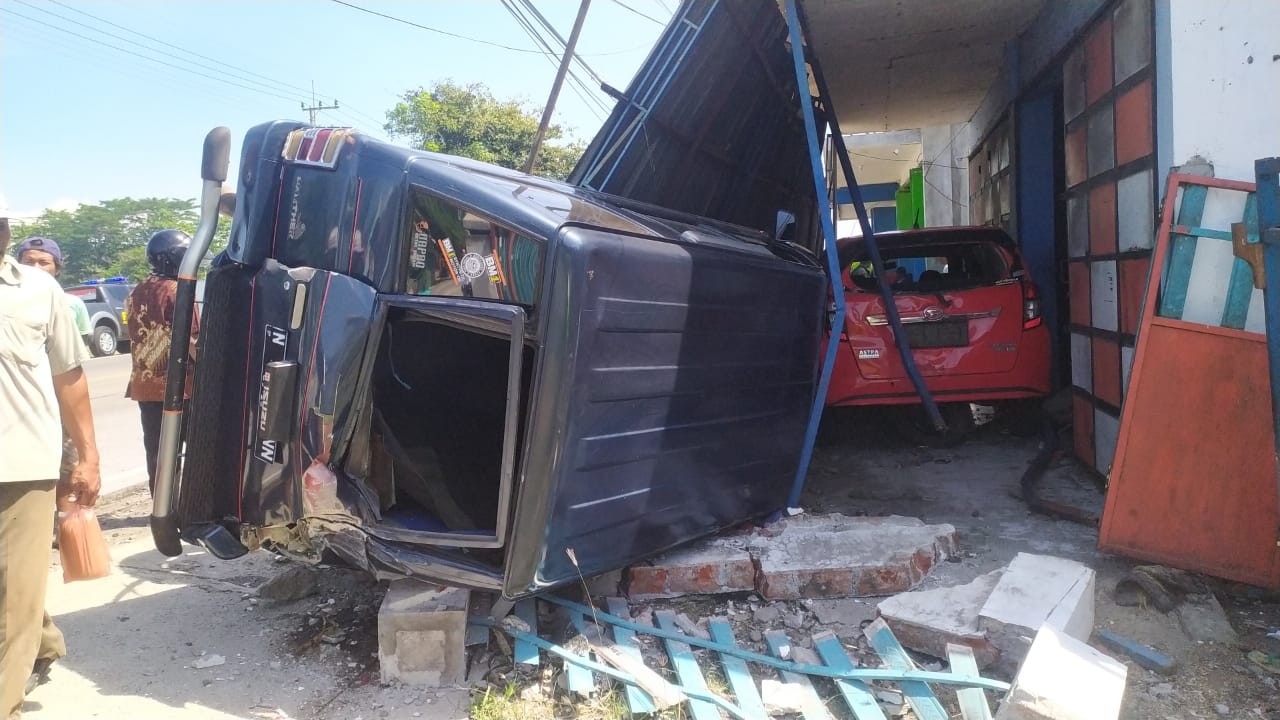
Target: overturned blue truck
436	368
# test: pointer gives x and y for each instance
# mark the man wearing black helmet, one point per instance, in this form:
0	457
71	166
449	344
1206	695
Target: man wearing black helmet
150	312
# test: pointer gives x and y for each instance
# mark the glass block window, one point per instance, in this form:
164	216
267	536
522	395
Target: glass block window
991	180
1110	202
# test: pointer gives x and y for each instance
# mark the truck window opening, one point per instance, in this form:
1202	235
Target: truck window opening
439	403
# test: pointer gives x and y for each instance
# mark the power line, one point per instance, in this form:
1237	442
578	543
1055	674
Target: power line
266	89
105	59
146	57
434	30
220	62
556	34
650	18
528	4
137	44
576	84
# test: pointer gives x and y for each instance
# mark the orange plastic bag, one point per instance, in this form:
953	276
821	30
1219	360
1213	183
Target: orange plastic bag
81	545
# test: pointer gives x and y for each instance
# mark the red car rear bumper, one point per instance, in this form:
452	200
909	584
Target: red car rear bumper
1028	378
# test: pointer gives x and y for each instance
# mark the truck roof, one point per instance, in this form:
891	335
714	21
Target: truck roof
541	205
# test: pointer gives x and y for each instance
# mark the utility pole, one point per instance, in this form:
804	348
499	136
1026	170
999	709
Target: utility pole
555	87
316	106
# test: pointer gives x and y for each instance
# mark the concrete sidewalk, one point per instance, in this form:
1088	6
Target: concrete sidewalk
142	644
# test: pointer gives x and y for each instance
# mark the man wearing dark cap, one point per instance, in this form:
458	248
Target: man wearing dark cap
42	390
45	254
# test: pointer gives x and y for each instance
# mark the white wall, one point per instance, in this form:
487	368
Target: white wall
1216	103
945	161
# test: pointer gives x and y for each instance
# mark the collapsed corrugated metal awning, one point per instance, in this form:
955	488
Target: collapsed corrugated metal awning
711	125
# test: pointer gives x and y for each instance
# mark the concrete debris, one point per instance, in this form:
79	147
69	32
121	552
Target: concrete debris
802	556
208	661
1203	620
1032	591
1064	679
794	620
690	627
1161	690
805	656
1222	709
843	616
781	698
293	583
820	556
421	634
766	614
927	620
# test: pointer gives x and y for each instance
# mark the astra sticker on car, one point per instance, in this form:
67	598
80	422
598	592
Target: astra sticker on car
869	354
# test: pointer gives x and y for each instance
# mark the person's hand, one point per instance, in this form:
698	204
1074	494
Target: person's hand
85	483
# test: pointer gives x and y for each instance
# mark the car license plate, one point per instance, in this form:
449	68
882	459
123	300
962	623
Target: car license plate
953	333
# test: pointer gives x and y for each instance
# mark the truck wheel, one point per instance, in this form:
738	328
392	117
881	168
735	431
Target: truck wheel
104	341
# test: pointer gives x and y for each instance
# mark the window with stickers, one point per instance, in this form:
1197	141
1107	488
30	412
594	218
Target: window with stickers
453	252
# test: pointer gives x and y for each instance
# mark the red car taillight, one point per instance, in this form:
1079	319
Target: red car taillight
1030	306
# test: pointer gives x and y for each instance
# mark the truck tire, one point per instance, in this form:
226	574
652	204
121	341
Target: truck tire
103	342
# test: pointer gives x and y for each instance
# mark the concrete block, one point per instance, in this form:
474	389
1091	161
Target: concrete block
843	616
1203	620
421	634
817	556
1036	590
928	620
1064	679
717	565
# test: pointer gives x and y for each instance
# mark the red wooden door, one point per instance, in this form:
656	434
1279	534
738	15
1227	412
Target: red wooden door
1193	484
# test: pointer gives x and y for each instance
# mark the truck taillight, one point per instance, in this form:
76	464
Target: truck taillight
1030	306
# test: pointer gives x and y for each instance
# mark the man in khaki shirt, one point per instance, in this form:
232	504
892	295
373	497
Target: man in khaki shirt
42	390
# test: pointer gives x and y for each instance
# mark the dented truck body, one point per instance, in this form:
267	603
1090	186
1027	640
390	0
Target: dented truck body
432	367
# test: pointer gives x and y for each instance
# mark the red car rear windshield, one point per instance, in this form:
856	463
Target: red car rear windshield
934	266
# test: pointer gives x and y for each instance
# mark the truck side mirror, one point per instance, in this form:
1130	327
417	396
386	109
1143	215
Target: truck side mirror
785	228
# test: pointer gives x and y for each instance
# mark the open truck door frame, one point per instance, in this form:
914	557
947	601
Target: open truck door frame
436	368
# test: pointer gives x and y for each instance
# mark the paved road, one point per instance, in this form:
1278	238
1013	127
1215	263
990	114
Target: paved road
115	418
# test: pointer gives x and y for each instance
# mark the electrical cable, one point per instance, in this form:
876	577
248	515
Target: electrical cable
434	30
576	84
559	38
10	11
548	51
650	18
263	86
221	63
279	86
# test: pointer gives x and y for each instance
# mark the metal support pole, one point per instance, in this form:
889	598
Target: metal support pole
829	240
1267	171
555	86
869	239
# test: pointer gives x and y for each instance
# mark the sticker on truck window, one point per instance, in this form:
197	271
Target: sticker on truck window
274	343
868	354
450	257
418	253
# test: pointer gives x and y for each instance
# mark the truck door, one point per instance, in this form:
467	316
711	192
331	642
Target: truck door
305	379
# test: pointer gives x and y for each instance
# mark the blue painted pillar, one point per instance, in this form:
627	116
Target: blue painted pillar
829	241
1268	197
1036	222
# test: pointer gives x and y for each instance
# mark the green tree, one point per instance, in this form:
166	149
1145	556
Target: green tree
110	238
468	120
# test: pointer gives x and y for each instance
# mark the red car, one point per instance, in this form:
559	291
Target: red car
969	311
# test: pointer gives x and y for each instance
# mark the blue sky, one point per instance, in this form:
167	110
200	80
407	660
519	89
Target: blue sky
82	122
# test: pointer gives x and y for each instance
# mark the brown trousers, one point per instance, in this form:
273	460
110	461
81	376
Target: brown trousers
27	633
